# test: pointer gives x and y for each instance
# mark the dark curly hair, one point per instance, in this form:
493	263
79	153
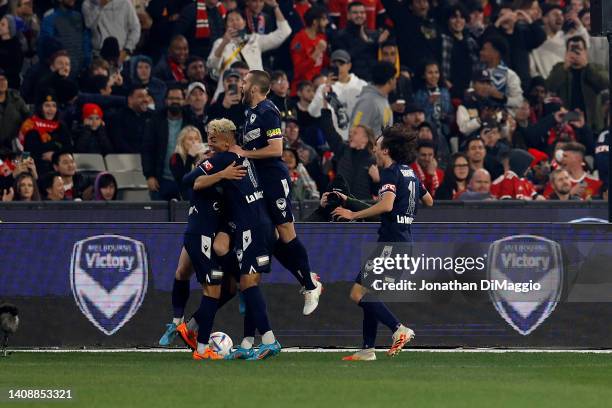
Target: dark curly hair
401	143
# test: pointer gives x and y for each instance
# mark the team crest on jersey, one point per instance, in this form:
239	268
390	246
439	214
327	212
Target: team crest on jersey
281	204
520	259
252	118
208	165
108	277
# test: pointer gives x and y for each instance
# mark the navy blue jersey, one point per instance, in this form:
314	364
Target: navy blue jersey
263	123
243	199
602	156
399	179
204	206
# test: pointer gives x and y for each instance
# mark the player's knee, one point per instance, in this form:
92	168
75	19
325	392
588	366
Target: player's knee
357	292
286	232
221	244
248	281
213	291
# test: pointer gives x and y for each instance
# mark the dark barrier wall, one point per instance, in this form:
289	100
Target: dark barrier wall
449	211
108	285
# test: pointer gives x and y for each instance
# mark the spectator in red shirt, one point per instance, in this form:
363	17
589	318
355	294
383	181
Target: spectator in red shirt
583	184
426	166
513	184
309	47
375	12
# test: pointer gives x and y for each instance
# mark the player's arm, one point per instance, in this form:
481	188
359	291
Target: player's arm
427	200
384	205
273	149
231	172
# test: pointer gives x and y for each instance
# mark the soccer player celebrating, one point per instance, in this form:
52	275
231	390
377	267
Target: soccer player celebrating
253	236
262	141
400	188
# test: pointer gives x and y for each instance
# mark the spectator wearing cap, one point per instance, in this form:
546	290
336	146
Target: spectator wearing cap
201	23
279	95
413	117
74	183
521	28
456	178
127	126
561	185
171	68
552	51
159	142
341	91
65	24
229	103
418	35
112	18
90	136
496	146
140	71
426	166
237	45
389	52
479	187
477	103
459	52
506	83
358	41
579	83
197	98
11	55
512	185
583	183
372	108
427	133
309	47
13	111
354	159
43	134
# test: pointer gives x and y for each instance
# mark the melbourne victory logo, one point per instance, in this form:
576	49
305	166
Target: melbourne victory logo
525	260
108	276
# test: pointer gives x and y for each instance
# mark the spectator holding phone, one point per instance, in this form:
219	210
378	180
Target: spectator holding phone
229	103
579	83
189	151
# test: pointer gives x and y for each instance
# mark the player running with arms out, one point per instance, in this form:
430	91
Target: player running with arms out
253	234
197	254
262	142
400	189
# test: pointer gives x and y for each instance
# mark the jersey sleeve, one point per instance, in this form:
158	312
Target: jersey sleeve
271	124
217	163
388	182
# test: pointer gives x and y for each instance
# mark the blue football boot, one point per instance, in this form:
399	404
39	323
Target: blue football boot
169	336
266	351
241	353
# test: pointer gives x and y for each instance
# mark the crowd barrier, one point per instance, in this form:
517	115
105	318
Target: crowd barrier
443	211
109	285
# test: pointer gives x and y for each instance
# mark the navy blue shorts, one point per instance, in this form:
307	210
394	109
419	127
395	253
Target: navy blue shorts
203	258
276	193
254	248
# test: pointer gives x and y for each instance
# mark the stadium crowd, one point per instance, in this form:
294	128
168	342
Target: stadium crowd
509	99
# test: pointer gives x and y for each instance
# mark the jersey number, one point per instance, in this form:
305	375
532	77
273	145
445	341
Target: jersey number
246	163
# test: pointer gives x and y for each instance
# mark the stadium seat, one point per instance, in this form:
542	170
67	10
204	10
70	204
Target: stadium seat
123	162
133	194
89	162
130	179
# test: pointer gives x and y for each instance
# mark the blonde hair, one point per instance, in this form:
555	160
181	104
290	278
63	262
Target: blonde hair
221	126
179	149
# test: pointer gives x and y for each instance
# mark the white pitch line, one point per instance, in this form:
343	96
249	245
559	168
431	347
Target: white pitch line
321	350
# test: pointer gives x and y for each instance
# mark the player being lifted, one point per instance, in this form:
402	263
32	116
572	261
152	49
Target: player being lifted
262	142
399	191
253	235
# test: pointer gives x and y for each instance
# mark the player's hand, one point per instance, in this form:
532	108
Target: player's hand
233	172
153	184
238	150
342	212
7	195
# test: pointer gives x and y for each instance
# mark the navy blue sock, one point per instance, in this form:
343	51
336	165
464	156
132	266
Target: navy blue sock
255	301
249	323
370	327
298	261
180	296
225	297
205	316
370	304
286	259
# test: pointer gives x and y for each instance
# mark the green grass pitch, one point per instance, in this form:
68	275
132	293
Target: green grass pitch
412	379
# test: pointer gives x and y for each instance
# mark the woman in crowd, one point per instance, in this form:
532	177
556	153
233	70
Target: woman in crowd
105	187
434	98
188	152
455	178
25	188
302	185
